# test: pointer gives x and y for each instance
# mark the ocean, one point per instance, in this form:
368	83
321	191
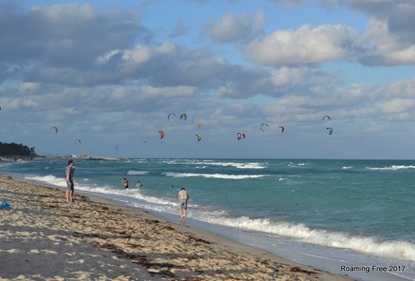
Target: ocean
354	217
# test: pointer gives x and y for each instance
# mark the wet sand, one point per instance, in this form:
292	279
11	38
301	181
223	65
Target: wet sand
42	237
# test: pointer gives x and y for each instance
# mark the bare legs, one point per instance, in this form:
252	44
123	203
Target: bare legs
183	214
69	195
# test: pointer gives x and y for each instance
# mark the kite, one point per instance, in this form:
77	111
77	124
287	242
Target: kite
262	126
116	147
240	135
183	116
199	125
171	114
199	137
77	141
56	129
326	116
281	129
161	134
330	130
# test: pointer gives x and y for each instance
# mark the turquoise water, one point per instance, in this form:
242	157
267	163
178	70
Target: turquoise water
362	208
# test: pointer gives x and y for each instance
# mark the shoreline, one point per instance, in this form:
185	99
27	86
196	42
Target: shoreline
96	238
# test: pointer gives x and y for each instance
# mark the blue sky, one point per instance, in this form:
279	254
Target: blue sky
110	72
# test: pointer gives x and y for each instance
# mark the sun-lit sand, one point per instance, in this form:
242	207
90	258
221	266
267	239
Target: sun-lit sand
42	237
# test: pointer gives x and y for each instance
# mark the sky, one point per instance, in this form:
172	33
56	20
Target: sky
109	73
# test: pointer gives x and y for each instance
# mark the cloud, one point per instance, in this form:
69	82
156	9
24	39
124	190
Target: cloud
386	48
234	29
163	92
398	15
290	3
179	29
304	45
250	82
64	36
389	39
357	104
397	105
390	32
107	57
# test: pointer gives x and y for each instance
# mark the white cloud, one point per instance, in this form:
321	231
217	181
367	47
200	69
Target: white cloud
137	55
386	48
107	57
390	30
290	3
59	12
234	29
397	105
180	91
28	87
287	76
304	45
118	94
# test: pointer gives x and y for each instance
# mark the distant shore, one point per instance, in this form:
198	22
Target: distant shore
43	237
58	157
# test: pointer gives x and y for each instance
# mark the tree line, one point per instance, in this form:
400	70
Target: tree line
13	150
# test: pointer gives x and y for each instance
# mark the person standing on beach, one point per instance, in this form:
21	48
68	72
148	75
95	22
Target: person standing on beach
70	170
183	197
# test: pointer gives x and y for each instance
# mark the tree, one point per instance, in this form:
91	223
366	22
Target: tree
13	150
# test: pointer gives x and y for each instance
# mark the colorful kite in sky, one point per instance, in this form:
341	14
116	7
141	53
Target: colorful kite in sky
183	116
262	126
240	135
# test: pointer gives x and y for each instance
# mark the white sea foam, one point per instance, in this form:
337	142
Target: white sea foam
238	165
392	168
140	173
391	249
101	190
51	180
217	176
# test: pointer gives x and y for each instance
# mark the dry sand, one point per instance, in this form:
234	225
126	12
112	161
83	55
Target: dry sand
42	237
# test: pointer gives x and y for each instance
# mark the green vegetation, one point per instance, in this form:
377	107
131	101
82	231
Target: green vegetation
16	151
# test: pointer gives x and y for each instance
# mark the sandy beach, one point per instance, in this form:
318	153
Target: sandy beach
42	237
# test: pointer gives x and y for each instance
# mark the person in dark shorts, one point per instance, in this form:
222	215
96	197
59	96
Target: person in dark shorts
70	170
